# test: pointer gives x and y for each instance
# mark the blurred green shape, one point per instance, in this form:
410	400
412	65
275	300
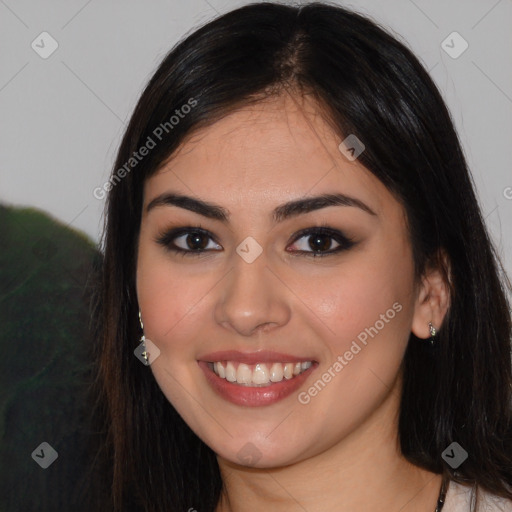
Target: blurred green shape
46	274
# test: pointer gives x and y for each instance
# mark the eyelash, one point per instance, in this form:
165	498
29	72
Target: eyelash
166	239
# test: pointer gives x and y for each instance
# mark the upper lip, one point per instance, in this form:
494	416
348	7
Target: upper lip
263	356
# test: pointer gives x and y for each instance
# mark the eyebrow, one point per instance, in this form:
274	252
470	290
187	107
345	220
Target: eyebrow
279	214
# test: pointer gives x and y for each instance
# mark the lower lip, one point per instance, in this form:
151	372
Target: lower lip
257	396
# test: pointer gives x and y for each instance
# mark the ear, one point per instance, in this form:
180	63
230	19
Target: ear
433	297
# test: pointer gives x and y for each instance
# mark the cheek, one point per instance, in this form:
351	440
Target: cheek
369	303
165	297
368	310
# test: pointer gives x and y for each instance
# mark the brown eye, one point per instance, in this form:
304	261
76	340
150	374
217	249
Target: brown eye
193	241
187	241
319	241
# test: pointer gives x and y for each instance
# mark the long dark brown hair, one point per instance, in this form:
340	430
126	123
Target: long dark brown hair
368	84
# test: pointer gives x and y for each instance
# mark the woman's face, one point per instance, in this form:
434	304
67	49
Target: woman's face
257	302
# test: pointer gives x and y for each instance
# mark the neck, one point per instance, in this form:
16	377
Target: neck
364	471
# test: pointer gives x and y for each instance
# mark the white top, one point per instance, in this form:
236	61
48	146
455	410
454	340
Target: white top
458	499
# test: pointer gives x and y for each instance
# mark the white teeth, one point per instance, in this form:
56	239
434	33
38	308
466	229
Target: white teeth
230	372
276	372
221	371
259	374
243	374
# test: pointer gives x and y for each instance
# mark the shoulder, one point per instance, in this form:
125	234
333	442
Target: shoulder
460	498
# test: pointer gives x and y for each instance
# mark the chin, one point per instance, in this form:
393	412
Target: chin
258	455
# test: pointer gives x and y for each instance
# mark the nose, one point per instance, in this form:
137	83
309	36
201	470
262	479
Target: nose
253	298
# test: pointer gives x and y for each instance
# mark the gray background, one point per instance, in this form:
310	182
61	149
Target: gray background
62	117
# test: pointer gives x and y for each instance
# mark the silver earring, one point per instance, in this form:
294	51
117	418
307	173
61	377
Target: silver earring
142	340
432	332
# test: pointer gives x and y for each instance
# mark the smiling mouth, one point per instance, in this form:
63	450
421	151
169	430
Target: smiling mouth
259	374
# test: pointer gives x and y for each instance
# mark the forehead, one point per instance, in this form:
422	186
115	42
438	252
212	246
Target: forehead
263	154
